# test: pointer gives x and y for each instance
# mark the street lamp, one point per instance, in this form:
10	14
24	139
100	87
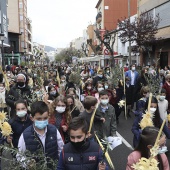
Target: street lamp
25	55
2	50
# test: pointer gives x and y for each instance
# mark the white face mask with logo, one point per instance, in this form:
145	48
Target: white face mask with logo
152	110
60	109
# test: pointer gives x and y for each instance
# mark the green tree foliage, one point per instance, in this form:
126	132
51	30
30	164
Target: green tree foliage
66	55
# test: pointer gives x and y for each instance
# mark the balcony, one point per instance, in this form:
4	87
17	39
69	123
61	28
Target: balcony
99	17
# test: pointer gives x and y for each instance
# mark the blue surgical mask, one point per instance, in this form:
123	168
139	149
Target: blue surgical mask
41	124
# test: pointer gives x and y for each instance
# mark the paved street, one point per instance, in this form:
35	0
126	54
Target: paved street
119	155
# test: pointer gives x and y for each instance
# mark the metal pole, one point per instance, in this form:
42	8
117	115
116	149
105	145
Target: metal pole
2	52
130	58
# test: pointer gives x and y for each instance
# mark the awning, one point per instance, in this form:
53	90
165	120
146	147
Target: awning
4	44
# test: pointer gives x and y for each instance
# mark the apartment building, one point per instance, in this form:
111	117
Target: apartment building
159	52
3	28
20	33
108	13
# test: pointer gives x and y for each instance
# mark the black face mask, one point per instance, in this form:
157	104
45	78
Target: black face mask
20	84
78	145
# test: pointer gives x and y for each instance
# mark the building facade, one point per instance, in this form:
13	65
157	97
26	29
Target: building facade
20	33
3	28
160	52
108	12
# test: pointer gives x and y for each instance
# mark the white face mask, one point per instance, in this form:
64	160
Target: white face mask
152	110
89	88
21	113
100	89
104	101
133	68
106	86
163	149
1	88
60	109
162	98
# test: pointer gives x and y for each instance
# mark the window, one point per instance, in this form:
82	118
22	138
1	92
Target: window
21	17
20	5
22	44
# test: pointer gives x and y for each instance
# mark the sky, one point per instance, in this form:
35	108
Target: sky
57	22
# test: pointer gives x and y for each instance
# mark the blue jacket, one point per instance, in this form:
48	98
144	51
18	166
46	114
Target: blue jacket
136	130
128	74
34	144
18	127
87	158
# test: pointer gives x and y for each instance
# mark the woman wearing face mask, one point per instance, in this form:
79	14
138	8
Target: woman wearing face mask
59	115
52	92
88	90
157	121
3	105
20	90
20	122
99	87
146	142
73	110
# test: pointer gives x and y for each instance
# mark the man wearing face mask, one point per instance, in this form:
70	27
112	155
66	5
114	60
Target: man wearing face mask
41	136
105	117
20	90
133	75
99	77
80	152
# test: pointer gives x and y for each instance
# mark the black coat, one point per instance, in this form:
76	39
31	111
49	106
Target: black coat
18	127
16	93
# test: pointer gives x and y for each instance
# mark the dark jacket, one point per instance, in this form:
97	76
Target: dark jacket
72	159
108	128
18	127
136	129
34	144
97	78
16	93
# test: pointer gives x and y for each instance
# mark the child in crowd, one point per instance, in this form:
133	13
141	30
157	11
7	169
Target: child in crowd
105	117
41	135
59	115
99	87
89	105
157	121
163	105
140	104
3	105
80	153
146	142
20	122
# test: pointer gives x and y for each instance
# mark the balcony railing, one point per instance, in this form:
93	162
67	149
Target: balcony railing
99	17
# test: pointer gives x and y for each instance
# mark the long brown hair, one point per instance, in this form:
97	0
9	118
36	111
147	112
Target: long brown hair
53	105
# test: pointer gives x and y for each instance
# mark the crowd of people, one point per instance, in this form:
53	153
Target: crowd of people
49	111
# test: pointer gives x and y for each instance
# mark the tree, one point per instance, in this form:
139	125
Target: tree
66	55
142	30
